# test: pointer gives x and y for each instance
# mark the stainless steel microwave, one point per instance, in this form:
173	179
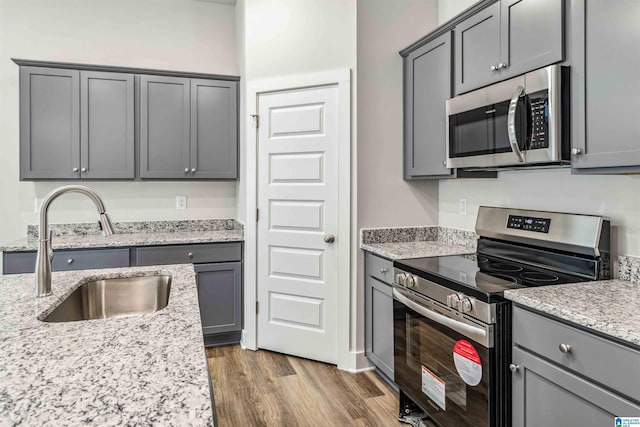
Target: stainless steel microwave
522	121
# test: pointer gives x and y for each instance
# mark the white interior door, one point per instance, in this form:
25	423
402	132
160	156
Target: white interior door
298	202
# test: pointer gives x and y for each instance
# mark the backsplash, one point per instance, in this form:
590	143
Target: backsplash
449	236
84	229
629	268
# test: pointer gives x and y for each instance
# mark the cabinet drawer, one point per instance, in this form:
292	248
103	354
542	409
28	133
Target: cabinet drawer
65	260
181	254
609	363
380	268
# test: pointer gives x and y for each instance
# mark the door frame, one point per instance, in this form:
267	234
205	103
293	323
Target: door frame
342	79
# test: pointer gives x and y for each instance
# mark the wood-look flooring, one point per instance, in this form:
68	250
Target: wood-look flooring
262	388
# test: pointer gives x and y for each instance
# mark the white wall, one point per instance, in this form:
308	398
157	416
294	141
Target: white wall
447	9
181	35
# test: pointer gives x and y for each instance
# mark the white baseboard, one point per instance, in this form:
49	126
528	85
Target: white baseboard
358	362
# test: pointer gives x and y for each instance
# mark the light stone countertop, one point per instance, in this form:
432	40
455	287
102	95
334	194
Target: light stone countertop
146	369
127	239
403	250
607	306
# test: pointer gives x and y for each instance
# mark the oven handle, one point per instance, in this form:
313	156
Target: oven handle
511	123
475	333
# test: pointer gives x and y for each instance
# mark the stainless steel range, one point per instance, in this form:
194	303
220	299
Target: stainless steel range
452	325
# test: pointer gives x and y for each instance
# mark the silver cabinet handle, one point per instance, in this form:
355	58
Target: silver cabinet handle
514	368
511	123
70	260
193	170
576	151
186	170
384	271
564	348
444	163
190	254
75	169
83	170
329	238
493	68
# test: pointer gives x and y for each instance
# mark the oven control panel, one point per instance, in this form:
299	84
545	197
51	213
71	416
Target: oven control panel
529	223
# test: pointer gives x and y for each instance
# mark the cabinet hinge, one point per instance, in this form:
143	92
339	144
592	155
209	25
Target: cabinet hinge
256	119
257	215
257	307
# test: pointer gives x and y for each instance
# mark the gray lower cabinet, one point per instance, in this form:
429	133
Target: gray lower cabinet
379	313
188	128
604	86
587	382
427	86
65	260
506	39
220	299
76	124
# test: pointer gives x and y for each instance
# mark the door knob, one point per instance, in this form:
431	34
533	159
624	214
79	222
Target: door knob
514	368
329	238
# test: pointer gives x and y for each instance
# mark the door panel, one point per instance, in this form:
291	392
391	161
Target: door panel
298	194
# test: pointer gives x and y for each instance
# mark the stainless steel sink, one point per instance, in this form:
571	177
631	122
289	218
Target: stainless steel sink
101	299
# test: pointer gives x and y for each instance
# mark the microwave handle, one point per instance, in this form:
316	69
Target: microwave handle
511	123
475	333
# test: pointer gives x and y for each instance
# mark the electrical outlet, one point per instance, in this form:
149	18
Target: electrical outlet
462	210
181	202
37	204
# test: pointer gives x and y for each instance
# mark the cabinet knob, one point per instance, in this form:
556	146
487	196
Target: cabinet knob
193	170
75	169
493	68
83	170
186	170
444	163
384	271
514	368
190	254
576	151
70	260
502	65
564	348
329	238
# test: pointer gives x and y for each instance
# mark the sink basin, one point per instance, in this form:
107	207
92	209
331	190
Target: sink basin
101	299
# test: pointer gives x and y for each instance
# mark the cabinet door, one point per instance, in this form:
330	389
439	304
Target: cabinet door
531	35
164	127
49	123
545	395
106	140
477	49
427	86
379	325
605	90
214	129
220	297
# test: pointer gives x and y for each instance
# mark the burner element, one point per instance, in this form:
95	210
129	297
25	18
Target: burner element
539	277
507	268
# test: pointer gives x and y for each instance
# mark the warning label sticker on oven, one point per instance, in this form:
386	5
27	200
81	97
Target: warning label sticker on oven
433	387
467	362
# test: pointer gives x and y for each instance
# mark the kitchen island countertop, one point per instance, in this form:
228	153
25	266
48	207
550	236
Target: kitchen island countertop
145	369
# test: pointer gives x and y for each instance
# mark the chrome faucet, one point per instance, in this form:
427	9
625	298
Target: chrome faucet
45	253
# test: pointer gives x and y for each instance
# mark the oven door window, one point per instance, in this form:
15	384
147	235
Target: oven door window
425	368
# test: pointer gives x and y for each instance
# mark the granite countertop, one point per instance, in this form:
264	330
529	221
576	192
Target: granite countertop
142	233
400	250
606	306
146	369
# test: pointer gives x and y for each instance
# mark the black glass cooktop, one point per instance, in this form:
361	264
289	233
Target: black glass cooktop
482	274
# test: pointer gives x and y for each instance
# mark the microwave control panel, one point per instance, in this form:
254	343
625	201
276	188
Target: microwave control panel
529	223
539	119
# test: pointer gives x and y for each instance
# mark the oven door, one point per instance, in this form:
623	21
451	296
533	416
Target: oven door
443	361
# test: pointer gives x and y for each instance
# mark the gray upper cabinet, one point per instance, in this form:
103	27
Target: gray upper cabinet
214	129
427	77
477	47
164	127
188	128
604	86
506	39
49	123
107	128
76	124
